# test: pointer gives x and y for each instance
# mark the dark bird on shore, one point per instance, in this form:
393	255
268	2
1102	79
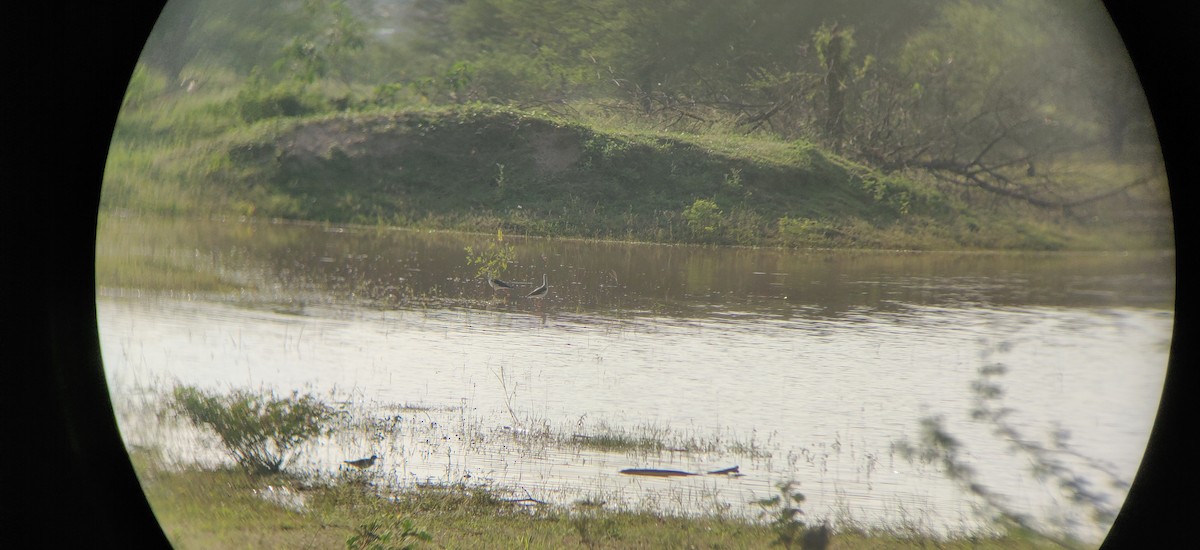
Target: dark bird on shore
362	462
540	292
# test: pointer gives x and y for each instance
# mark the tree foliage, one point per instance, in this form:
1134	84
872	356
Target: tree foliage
988	95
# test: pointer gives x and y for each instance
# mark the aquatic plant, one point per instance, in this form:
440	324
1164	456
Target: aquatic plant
492	260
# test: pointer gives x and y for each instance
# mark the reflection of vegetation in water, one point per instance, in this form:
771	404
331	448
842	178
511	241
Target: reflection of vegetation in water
291	264
135	254
938	445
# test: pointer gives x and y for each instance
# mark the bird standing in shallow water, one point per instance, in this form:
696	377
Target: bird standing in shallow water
362	462
540	292
497	284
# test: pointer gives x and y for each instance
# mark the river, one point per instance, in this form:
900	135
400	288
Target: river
810	366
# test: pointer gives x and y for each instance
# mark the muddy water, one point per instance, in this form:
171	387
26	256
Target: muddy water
805	366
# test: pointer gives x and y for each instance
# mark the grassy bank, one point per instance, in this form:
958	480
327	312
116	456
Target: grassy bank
482	168
204	498
228	508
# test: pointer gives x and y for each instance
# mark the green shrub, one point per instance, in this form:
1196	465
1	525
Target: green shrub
258	430
705	220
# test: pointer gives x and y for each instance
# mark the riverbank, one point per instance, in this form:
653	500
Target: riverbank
483	169
227	508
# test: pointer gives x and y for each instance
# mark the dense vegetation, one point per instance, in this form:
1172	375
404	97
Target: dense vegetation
915	123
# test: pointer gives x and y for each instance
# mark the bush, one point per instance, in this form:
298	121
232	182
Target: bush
258	430
705	220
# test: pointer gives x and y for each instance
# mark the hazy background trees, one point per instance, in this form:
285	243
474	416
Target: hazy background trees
1009	98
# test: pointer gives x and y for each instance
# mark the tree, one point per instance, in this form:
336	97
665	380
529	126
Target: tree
989	97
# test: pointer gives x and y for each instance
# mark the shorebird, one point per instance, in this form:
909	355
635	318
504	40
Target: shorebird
362	462
497	284
540	292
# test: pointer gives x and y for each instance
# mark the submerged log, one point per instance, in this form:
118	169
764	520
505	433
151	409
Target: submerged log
726	471
654	472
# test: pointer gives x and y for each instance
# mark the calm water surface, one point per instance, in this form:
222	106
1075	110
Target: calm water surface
807	366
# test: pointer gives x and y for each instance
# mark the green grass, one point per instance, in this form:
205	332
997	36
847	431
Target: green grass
225	508
484	168
199	508
590	174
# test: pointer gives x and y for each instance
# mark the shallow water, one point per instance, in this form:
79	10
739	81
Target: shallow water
807	366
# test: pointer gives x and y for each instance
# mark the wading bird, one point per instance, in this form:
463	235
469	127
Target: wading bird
540	292
362	462
497	284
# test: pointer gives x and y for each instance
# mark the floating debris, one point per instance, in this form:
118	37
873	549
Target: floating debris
654	472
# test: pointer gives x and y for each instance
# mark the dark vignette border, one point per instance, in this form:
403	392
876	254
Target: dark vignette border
74	480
